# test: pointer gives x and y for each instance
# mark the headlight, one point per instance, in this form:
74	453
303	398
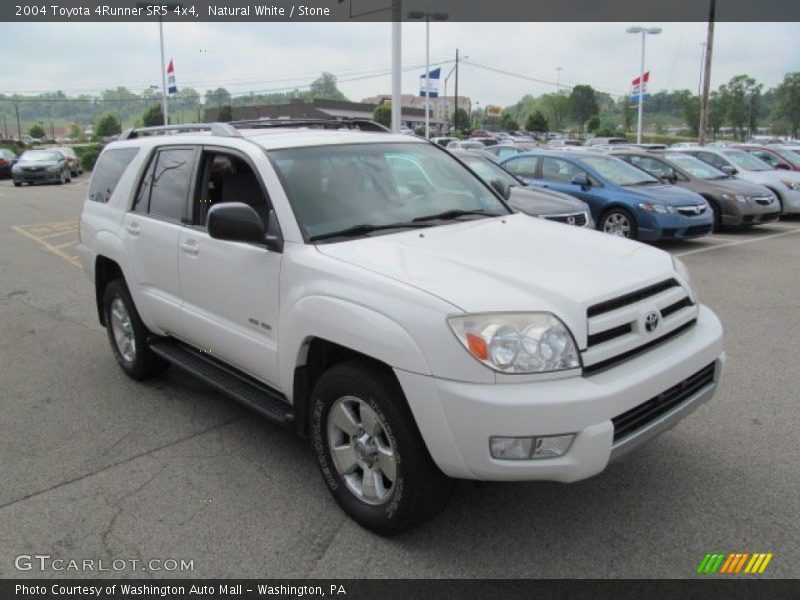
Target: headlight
659	208
742	199
517	343
683	271
792	185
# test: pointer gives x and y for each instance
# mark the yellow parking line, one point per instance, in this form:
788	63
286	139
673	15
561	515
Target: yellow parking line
73	260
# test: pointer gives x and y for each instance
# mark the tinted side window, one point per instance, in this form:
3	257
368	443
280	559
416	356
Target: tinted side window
554	169
107	172
524	166
768	158
172	177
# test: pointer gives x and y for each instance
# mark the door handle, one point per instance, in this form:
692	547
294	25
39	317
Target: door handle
190	247
132	228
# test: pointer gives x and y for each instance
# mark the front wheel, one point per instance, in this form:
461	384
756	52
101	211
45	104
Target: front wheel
371	455
618	222
127	334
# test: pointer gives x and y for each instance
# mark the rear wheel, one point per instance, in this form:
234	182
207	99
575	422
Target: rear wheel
618	222
371	454
17	184
716	216
127	334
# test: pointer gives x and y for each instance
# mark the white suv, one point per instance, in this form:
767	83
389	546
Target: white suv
371	292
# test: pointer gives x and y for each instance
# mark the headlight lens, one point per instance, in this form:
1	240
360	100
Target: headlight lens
742	199
517	343
792	185
659	208
683	271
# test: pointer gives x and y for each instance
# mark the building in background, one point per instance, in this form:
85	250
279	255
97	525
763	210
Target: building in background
441	107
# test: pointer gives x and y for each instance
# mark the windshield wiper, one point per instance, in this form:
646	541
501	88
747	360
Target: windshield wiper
362	229
453	214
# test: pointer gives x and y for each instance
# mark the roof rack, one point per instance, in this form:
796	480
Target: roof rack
359	124
220	129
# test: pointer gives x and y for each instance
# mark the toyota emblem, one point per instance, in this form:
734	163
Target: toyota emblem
651	322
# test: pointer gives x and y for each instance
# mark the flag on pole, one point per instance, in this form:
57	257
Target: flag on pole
433	76
171	87
639	87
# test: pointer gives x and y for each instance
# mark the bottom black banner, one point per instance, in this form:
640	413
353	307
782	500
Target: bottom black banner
390	589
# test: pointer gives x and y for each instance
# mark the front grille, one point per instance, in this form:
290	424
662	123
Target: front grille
698	230
763	200
769	217
609	334
636	418
632	298
691	211
673	308
578	219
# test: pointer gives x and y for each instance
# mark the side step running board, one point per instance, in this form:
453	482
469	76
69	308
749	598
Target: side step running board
253	394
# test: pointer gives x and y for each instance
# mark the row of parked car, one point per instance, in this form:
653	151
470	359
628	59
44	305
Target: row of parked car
47	165
644	193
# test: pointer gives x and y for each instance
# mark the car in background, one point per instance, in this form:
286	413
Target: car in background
775	156
625	201
525	198
561	142
677	145
41	166
74	161
732	201
7	161
465	145
443	140
486	141
406	130
500	152
784	184
602	141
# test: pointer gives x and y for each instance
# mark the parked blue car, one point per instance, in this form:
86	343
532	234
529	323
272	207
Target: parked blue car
624	200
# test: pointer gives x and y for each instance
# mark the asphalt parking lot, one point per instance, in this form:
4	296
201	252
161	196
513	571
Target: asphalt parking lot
94	465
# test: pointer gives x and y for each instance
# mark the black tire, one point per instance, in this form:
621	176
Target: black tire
611	214
419	490
716	216
17	184
61	179
144	363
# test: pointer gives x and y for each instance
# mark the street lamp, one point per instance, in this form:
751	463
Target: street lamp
644	31
418	15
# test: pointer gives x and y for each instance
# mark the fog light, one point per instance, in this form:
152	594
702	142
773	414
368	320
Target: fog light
526	448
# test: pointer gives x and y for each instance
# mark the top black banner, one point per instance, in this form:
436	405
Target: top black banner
393	10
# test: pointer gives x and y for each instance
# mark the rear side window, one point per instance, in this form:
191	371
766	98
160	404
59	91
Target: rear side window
107	172
164	191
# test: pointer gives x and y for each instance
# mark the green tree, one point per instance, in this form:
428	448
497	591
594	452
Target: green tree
36	131
462	119
716	113
218	97
583	104
153	116
536	121
627	113
74	131
508	123
107	125
741	97
691	113
225	114
593	123
383	115
324	86
787	102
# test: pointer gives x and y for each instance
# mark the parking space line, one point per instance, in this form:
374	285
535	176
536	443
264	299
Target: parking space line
739	242
73	260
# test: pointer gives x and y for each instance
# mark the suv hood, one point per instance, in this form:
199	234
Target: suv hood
511	263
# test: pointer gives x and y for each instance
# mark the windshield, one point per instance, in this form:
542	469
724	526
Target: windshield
617	171
696	167
746	161
336	188
487	170
41	155
791	156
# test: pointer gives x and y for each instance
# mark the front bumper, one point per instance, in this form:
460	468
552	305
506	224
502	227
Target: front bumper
457	419
670	227
37	177
790	200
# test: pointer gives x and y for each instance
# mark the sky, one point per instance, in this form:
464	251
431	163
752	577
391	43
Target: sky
261	57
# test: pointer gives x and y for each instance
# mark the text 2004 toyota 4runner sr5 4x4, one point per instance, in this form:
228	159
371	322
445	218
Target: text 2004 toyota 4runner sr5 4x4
370	291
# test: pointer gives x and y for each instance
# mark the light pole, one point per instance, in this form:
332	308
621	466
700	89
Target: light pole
644	31
419	15
446	79
168	6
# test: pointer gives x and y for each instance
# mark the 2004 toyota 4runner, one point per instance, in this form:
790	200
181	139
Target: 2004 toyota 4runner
370	291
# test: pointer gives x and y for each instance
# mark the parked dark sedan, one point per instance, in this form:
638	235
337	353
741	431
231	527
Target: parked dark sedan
732	201
7	160
537	202
41	166
75	165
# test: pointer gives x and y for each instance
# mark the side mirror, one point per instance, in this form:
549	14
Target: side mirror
582	180
501	188
274	237
235	222
729	170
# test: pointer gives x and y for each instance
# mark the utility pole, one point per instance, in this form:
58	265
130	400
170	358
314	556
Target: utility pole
455	111
702	62
19	127
397	16
707	75
164	100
